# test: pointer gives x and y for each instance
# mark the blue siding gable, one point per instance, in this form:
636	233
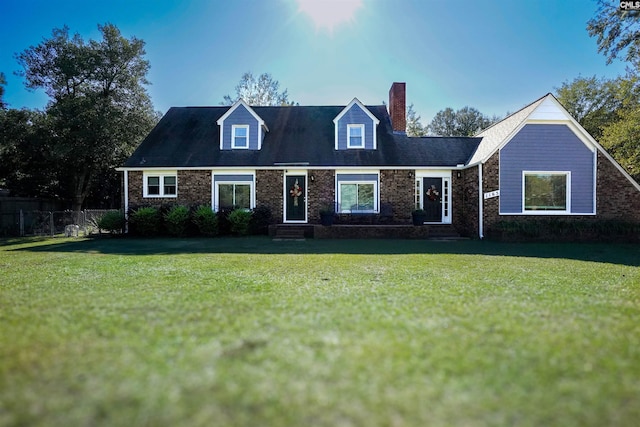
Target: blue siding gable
240	116
355	114
547	147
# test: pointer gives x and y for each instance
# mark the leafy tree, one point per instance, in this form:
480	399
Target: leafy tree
414	127
609	110
99	108
590	101
616	30
25	154
443	123
3	83
471	121
262	91
467	121
622	140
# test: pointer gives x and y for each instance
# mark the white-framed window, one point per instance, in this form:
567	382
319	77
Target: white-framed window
240	136
234	195
233	189
355	136
546	193
160	184
358	196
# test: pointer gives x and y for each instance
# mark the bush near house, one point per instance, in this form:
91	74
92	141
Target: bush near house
240	220
145	221
176	220
564	230
260	220
113	222
205	220
180	221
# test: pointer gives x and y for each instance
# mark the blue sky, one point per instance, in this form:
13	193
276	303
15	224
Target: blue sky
494	55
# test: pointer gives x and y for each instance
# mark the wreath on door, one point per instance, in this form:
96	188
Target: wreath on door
433	194
295	192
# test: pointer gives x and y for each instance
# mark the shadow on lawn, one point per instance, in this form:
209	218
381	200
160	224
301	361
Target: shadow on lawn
624	254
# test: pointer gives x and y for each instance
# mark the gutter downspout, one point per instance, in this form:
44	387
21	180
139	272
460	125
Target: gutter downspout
480	204
126	201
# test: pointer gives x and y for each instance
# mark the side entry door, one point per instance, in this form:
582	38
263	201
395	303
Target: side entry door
432	199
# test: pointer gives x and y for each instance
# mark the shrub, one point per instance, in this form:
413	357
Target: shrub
176	220
145	221
565	230
224	226
260	220
240	219
112	221
206	220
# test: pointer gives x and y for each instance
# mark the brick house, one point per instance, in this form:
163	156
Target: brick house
358	160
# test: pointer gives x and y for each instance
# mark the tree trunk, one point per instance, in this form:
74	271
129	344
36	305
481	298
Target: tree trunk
81	189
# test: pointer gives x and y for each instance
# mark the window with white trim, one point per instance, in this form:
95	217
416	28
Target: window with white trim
355	136
160	185
234	196
358	197
240	136
546	192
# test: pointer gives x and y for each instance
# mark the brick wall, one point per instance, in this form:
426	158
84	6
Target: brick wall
194	188
269	192
491	182
616	197
398	189
465	202
320	193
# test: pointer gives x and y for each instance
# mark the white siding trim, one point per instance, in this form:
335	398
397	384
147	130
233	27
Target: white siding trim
547	110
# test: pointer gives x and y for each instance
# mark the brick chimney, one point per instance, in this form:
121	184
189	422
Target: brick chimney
398	106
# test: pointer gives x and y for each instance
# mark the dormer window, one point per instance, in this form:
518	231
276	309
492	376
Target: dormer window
355	128
241	128
240	136
355	136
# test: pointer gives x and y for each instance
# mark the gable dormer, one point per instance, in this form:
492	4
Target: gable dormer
241	128
355	128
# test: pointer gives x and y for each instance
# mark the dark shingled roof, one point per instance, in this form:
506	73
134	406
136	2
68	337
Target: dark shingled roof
190	137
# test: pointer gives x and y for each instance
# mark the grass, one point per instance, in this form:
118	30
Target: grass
250	332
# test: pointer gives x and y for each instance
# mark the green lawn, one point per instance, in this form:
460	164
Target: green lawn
250	332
